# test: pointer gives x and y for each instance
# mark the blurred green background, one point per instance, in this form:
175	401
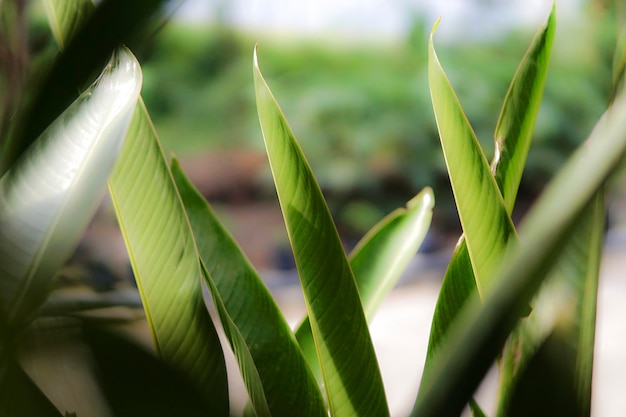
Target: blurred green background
358	100
361	110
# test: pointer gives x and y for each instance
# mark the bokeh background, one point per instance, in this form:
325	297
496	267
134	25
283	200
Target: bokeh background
351	77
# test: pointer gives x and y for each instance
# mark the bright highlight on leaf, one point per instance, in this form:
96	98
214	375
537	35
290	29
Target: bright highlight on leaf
277	377
48	197
487	227
351	376
379	259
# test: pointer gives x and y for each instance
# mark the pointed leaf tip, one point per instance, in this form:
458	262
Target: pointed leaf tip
255	60
434	29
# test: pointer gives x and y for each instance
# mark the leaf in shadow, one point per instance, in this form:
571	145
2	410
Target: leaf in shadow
137	383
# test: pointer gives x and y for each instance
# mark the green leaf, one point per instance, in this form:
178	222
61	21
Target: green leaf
72	69
381	256
136	382
487	226
564	312
164	257
49	196
513	136
276	374
619	56
19	396
516	124
477	338
66	16
476	410
379	259
351	375
586	289
457	287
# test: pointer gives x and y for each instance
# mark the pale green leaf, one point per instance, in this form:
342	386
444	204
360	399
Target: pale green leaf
351	375
477	338
513	136
48	197
486	224
275	372
519	112
165	261
66	16
379	259
381	256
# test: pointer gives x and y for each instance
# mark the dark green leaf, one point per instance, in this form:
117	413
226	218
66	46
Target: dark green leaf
19	396
137	383
276	374
487	227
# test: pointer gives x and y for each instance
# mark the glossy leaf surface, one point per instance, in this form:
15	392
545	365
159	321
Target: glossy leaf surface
512	139
50	195
351	375
165	262
480	333
487	226
379	259
275	372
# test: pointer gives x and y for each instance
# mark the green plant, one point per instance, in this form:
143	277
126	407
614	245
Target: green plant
527	303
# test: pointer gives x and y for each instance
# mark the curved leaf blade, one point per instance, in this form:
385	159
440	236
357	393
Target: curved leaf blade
478	337
135	382
519	112
276	374
70	72
563	320
486	224
513	136
50	195
66	16
379	259
351	375
165	262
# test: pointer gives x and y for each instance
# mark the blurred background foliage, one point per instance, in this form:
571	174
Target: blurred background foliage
361	109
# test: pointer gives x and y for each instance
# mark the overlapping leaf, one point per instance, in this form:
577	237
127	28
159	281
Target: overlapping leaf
379	259
66	17
50	195
550	355
487	226
351	376
480	333
512	139
276	374
71	70
165	262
